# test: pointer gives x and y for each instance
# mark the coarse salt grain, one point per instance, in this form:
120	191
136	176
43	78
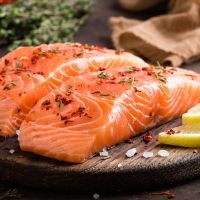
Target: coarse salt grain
104	153
163	153
147	154
12	151
131	152
119	165
17	132
96	196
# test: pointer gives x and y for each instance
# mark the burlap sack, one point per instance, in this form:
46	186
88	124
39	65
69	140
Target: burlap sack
171	39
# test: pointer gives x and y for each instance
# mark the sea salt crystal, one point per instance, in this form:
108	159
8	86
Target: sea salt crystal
96	196
12	151
163	153
147	154
131	152
17	132
104	153
119	165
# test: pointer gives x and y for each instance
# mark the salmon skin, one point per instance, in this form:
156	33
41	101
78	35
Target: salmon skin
105	107
29	73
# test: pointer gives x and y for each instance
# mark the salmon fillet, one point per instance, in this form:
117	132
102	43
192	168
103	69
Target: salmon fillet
29	73
100	109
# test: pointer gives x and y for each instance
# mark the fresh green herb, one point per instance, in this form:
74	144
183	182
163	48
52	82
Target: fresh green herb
18	65
60	105
163	79
159	65
54	51
33	22
114	96
102	75
122	81
130	81
6	87
13	84
160	77
69	89
129	70
42	53
105	95
173	69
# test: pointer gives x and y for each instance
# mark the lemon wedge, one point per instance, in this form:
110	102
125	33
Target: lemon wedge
183	136
192	116
187	135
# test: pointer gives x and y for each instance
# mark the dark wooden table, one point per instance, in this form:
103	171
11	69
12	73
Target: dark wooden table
96	31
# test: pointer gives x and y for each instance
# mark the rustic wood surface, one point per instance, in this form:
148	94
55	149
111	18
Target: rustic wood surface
97	174
102	174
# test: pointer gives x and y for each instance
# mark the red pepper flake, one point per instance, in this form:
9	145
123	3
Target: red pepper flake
6	61
96	92
149	73
99	81
136	90
64	100
148	137
168	194
119	52
63	117
144	69
79	54
110	82
34	59
121	73
87	115
18	110
112	77
67	121
80	111
170	132
135	69
46	104
102	68
40	73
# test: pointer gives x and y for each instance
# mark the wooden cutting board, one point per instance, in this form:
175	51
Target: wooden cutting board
98	174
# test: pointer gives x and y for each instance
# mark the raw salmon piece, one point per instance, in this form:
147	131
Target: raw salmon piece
90	59
102	109
27	67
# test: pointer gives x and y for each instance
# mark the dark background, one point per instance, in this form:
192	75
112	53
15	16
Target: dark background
96	31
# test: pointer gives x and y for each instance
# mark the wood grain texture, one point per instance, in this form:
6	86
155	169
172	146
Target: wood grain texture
97	174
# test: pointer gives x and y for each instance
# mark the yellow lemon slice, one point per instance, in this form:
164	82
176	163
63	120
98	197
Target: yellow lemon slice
183	136
192	116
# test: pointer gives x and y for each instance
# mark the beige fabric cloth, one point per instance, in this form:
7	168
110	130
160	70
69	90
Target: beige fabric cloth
171	39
